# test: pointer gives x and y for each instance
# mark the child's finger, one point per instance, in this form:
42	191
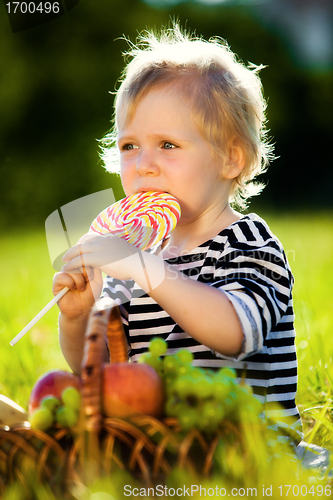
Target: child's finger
79	248
61	280
76	265
76	258
71	253
83	262
71	280
80	257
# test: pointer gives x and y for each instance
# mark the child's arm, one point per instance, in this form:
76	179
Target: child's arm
75	307
202	311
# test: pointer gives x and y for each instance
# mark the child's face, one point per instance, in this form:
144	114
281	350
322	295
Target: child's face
161	149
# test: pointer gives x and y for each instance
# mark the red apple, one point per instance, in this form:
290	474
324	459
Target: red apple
130	388
52	382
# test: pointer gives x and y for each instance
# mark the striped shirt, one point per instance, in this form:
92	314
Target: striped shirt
248	263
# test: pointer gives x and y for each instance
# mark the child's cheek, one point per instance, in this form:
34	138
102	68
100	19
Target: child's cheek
125	180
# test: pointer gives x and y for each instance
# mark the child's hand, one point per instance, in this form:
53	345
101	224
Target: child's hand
111	254
84	289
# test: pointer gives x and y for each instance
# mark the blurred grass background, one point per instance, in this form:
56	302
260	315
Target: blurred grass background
55	80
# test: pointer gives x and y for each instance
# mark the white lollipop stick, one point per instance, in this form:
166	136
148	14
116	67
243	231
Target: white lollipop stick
39	315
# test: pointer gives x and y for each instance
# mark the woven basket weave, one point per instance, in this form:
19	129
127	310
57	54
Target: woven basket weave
146	447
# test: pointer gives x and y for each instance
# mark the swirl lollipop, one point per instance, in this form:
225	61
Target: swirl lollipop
142	219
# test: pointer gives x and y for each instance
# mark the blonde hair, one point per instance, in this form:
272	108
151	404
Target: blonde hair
226	98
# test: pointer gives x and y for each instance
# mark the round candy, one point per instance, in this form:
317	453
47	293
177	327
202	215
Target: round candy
142	219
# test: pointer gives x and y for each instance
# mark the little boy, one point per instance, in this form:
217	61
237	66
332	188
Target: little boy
189	120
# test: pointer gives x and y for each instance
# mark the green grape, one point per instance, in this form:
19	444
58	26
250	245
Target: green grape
202	398
228	372
181	408
213	413
221	388
171	365
41	418
187	417
243	395
168	384
71	398
158	346
172	407
198	373
67	417
205	387
155	362
152	360
168	381
209	410
185	356
180	387
143	357
208	425
185	370
184	386
219	377
50	402
230	402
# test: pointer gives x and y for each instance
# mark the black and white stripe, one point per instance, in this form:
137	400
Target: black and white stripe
249	265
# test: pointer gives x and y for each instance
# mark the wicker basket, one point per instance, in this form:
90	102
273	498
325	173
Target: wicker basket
146	447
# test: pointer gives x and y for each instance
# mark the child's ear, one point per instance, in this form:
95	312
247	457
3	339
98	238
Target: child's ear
235	161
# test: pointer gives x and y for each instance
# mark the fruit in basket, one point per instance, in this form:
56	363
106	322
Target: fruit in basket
55	397
200	398
120	388
41	418
204	398
130	388
52	383
157	348
50	402
66	416
64	411
71	398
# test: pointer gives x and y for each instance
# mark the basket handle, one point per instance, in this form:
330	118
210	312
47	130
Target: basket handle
116	337
104	325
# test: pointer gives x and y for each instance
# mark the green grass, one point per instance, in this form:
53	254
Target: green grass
26	281
308	243
26	287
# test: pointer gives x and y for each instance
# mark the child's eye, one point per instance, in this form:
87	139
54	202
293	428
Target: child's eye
128	147
168	145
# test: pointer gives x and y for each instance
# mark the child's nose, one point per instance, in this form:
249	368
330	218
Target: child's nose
147	164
